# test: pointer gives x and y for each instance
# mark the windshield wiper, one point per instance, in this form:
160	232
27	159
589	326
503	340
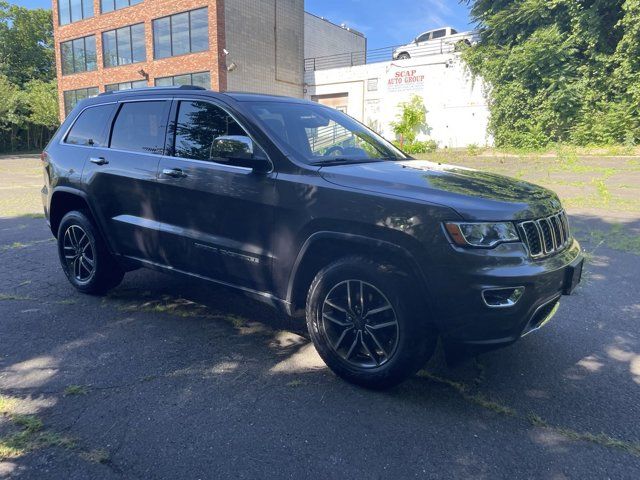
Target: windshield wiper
345	161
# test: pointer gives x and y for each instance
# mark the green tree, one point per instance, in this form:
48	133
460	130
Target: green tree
12	114
42	102
42	99
411	120
559	70
26	44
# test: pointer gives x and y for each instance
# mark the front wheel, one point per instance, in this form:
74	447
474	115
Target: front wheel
366	323
84	256
404	56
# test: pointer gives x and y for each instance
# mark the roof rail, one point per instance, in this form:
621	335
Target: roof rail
142	89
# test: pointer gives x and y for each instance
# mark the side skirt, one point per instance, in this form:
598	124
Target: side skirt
279	304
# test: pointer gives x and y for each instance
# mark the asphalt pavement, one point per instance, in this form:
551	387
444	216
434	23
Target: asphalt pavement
168	377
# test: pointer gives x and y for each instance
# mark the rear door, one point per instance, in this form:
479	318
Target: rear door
121	179
216	218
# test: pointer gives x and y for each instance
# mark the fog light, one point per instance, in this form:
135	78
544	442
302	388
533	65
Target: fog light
502	297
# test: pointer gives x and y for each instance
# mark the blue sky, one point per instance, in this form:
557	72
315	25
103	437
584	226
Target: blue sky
388	22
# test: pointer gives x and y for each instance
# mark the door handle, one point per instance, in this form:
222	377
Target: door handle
174	173
99	160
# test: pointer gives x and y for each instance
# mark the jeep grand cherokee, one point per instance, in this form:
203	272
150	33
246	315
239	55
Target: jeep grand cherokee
299	205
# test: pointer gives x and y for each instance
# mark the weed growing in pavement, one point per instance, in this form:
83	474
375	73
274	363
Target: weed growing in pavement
72	390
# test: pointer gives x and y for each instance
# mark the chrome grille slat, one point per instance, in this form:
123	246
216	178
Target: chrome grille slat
546	236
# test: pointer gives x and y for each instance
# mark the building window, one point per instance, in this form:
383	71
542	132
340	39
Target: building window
111	5
74	10
72	97
186	32
124	46
78	55
125	85
200	79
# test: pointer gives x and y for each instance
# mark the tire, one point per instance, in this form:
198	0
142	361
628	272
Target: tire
385	353
404	56
84	256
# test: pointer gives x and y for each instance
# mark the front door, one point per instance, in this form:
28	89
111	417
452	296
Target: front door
216	218
123	178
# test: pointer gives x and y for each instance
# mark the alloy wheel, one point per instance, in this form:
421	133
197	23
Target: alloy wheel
360	324
79	254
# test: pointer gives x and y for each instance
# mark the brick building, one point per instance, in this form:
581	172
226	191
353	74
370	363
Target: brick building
248	45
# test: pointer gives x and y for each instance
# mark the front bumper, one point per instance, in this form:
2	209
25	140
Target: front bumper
464	318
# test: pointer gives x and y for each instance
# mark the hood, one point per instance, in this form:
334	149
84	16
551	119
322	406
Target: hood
474	194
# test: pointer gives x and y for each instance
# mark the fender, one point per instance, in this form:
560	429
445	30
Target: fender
356	239
94	212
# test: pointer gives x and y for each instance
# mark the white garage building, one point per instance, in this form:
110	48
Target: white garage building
457	111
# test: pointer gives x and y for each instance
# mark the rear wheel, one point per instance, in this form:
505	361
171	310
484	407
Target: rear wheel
366	324
84	256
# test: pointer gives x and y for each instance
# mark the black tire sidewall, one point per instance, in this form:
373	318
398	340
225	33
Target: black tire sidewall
106	273
415	342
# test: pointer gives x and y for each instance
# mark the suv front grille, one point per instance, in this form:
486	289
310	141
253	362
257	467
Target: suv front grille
546	236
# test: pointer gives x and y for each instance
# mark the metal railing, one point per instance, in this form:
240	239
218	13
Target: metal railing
448	44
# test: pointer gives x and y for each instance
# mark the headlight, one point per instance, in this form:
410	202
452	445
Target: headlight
481	234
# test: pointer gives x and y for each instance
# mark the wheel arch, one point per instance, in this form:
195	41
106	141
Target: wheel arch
323	247
65	200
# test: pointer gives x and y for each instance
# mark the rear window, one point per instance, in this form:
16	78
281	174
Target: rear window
91	126
140	127
439	34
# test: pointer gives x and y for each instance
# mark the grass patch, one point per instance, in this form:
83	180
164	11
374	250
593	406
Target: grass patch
7	404
31	435
66	302
295	383
601	439
464	391
6	296
616	238
30	438
98	455
75	390
21	245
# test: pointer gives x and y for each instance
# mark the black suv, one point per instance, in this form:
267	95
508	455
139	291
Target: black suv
298	205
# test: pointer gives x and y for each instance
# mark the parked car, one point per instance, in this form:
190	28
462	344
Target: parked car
298	205
440	40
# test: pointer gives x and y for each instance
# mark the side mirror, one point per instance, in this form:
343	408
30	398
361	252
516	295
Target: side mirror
239	150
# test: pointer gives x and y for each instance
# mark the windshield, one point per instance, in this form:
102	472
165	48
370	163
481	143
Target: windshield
321	135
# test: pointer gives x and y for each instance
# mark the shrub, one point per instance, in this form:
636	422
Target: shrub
426	146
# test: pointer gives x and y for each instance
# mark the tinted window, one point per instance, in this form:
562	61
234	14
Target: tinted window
439	34
124	45
198	125
318	133
111	5
140	127
90	127
201	79
424	37
181	33
74	10
125	85
72	97
78	55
